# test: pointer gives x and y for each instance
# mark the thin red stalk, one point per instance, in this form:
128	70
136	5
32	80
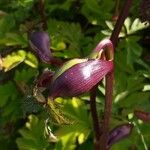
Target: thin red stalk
95	117
107	111
106	44
120	22
109	77
42	13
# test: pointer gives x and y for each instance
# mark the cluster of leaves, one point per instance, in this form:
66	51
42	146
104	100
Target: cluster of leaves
74	27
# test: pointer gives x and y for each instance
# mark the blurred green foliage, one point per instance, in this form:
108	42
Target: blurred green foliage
75	27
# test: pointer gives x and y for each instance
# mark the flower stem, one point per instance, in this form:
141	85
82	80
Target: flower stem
95	117
42	13
107	110
109	77
120	22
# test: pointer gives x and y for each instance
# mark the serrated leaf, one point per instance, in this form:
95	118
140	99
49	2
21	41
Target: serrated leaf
12	39
25	74
32	135
13	60
67	142
135	99
6	91
110	25
138	25
127	24
134	50
31	60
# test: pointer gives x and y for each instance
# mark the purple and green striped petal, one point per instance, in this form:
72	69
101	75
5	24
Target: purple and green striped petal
80	78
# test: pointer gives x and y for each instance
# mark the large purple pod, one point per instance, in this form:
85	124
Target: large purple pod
40	44
80	78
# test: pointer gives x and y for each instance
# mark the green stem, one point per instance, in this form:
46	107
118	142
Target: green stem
141	135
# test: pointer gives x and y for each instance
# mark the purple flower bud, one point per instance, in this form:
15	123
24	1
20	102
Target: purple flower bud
144	116
79	78
40	44
118	133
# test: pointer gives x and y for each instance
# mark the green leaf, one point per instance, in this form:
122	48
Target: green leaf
25	75
134	51
5	25
31	60
12	39
75	110
67	142
32	135
110	25
6	91
13	60
138	25
135	99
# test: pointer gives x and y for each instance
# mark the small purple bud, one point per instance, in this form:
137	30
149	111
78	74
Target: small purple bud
80	78
45	79
144	116
40	44
118	133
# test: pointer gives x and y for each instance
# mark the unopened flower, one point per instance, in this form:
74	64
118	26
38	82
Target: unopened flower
79	78
118	133
144	116
40	44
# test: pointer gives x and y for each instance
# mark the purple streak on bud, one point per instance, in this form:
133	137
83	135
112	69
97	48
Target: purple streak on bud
144	116
44	80
40	43
80	78
118	133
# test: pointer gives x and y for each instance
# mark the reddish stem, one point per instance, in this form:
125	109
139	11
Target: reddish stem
120	22
42	13
106	47
107	110
95	117
109	77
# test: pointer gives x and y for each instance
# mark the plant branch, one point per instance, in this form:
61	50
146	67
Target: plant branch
120	22
107	110
95	117
109	77
42	13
